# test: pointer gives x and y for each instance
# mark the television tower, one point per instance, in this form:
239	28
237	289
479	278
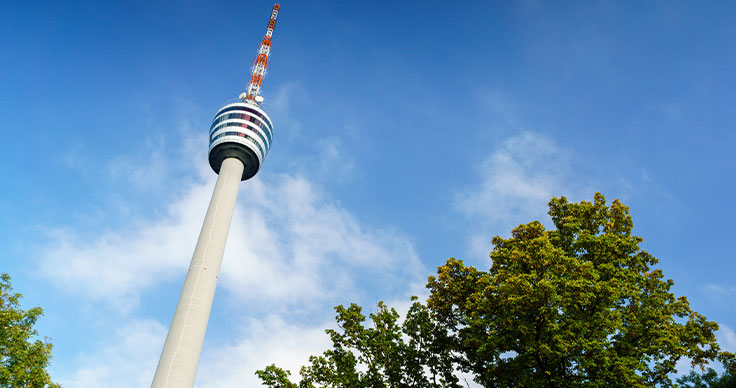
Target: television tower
240	137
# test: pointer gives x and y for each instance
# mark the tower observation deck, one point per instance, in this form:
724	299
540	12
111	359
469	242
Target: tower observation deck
239	140
243	131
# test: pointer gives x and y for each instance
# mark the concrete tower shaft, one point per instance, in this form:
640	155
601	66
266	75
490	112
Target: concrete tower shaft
180	356
240	137
239	140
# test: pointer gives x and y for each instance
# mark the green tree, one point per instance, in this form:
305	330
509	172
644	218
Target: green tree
23	359
576	306
710	379
384	354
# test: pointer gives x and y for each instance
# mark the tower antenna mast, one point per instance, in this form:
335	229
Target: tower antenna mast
260	63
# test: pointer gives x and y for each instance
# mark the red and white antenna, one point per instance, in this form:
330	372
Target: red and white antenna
260	63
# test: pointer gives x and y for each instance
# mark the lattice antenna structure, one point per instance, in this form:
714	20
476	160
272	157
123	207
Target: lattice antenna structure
260	63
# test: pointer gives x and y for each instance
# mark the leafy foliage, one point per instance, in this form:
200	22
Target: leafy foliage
710	379
386	354
577	306
275	377
23	360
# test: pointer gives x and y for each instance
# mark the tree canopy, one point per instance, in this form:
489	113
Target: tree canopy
386	354
576	306
23	357
710	378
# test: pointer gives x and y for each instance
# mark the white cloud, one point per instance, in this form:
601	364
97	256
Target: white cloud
282	106
128	359
116	265
516	182
331	161
518	179
264	342
683	366
718	290
149	176
288	242
726	338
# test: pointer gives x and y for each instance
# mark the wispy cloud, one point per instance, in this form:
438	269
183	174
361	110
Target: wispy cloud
131	173
282	105
127	359
288	242
718	290
726	338
294	244
270	340
516	182
115	266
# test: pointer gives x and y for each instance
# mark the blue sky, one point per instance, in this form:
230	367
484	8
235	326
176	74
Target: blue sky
405	133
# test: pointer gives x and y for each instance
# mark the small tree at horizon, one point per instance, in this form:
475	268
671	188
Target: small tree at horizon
23	357
576	306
